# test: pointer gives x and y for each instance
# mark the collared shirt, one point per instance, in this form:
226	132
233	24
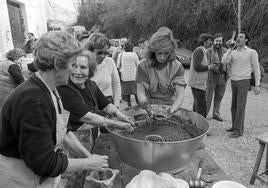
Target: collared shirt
243	61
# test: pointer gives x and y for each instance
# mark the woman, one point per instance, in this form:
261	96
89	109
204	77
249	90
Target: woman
10	73
106	76
160	77
85	101
127	64
34	122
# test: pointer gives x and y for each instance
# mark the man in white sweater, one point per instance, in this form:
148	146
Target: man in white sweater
242	60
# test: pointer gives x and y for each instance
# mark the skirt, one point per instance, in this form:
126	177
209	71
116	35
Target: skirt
129	87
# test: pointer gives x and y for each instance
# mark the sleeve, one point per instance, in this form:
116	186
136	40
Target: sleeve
36	145
73	102
256	67
198	58
116	86
141	75
15	71
118	64
102	101
227	57
179	78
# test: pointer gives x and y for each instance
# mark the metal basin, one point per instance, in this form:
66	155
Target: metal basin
160	156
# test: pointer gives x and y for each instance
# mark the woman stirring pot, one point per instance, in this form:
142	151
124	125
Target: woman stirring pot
34	122
160	77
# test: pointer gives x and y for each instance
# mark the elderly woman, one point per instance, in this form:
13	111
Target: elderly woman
10	73
34	122
160	77
127	64
83	98
106	76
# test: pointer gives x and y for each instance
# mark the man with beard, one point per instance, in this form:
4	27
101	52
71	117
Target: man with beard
242	60
218	77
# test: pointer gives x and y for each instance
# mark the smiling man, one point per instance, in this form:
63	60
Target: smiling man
242	60
217	78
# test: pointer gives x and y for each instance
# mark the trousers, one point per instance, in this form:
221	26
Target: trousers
239	101
216	87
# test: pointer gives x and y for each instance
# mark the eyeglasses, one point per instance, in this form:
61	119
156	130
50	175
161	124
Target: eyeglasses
102	52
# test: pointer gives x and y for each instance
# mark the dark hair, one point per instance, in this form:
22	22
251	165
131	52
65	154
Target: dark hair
141	40
246	36
31	34
128	46
97	41
217	35
204	37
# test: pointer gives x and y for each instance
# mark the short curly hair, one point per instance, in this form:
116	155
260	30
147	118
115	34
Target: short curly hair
97	41
15	54
55	48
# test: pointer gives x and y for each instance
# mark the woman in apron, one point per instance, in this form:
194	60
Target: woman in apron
34	122
160	77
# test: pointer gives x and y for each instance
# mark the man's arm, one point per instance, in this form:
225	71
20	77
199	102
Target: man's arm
227	57
256	67
198	58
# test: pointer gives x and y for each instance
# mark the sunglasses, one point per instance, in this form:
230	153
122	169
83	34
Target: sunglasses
102	52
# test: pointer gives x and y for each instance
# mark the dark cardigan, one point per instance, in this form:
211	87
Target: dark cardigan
28	129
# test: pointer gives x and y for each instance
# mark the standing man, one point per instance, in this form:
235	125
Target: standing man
243	60
198	75
218	77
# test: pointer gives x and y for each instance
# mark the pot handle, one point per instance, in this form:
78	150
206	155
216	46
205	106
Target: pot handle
153	138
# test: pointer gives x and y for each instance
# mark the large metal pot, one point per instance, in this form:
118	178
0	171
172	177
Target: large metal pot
159	156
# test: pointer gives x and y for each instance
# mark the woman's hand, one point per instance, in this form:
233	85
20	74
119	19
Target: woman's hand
97	162
125	125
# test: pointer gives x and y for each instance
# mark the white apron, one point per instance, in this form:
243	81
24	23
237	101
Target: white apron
15	174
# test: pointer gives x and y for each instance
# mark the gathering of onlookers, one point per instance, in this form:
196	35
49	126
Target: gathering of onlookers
76	86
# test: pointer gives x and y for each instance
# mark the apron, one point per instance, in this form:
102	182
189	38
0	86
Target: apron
15	174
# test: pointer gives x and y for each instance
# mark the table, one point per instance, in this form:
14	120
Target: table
104	146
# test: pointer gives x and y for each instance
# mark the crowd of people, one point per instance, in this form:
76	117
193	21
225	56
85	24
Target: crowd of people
76	86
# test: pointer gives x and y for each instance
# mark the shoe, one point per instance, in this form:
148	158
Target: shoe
230	130
235	135
218	118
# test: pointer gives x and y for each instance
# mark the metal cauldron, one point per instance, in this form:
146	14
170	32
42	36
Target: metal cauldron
159	156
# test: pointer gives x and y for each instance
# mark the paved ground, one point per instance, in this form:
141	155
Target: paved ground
237	156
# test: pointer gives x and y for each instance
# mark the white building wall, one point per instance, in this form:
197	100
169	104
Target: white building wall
5	30
35	14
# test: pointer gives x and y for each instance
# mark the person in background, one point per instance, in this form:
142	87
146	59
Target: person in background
242	60
29	44
198	75
119	49
160	77
217	78
34	122
106	76
10	73
127	65
141	50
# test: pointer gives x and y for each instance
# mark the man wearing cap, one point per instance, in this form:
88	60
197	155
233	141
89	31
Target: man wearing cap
198	75
218	77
